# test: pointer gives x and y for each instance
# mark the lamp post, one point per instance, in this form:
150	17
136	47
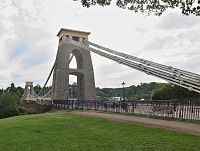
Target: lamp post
173	94
123	83
67	95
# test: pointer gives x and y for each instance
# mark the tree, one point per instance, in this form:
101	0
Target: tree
100	93
17	91
37	88
1	91
144	90
165	92
156	7
171	92
8	105
20	91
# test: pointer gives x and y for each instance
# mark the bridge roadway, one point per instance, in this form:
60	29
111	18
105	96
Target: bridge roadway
38	99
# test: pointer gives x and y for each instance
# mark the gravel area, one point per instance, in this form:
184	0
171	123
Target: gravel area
170	125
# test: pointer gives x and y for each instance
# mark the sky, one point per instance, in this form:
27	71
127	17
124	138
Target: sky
28	42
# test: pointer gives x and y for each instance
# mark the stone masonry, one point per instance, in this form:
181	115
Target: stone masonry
84	71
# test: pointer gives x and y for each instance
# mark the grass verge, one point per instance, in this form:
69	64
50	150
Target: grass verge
63	131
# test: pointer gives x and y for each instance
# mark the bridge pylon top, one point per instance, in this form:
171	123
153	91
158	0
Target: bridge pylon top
28	83
71	32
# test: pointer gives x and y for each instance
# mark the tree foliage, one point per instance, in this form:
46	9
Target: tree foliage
15	90
156	7
37	88
171	92
141	91
10	100
8	105
148	91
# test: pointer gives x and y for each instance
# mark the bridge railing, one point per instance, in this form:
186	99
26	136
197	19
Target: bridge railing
168	108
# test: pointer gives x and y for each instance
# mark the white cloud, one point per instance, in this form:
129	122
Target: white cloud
175	21
28	41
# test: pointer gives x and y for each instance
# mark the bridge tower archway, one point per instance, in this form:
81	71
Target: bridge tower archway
29	91
84	71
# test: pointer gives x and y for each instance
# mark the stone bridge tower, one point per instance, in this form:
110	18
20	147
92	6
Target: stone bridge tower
84	71
29	91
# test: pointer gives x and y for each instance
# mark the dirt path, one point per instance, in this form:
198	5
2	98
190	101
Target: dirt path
171	125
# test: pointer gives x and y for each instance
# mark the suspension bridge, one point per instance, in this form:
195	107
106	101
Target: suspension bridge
73	43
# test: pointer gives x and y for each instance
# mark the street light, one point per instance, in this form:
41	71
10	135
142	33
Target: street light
123	83
67	95
173	94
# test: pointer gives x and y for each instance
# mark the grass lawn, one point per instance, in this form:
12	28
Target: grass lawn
63	131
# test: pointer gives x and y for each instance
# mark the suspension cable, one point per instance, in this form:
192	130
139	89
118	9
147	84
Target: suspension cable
47	93
177	71
71	58
155	72
52	69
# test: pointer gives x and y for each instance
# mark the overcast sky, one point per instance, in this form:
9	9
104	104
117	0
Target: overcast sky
28	42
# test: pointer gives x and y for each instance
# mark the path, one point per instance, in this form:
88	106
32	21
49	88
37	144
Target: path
171	125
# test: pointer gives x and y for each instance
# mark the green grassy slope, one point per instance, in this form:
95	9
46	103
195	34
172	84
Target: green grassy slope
62	131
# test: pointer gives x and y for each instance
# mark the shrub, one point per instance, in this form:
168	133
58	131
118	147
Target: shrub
8	105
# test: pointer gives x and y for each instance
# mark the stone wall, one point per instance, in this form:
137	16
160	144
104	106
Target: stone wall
33	107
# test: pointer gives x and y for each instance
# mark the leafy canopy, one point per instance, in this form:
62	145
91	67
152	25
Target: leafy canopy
8	105
10	100
148	7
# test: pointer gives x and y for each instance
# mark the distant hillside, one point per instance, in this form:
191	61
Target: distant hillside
144	90
152	90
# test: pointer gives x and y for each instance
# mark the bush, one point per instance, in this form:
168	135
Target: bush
8	105
22	111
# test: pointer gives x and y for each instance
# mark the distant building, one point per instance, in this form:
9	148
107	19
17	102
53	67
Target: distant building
115	99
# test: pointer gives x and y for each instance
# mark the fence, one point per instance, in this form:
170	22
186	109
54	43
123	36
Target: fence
167	108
